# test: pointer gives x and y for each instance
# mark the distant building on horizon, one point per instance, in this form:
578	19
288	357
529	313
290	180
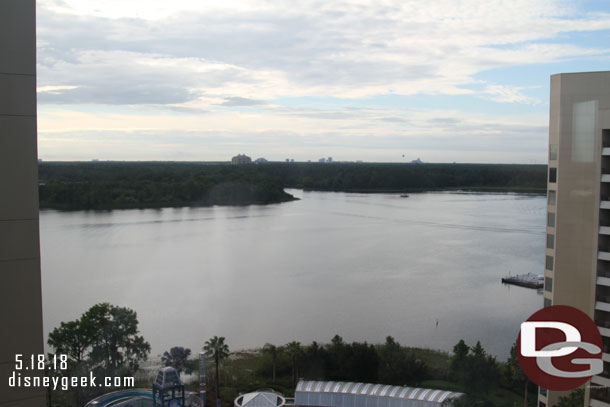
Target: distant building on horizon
418	161
261	160
241	159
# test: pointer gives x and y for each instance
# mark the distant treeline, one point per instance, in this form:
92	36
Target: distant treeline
139	185
100	185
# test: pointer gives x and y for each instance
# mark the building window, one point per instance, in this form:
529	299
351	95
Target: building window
552	175
550	241
547	303
550	219
543	391
549	263
553	152
552	197
548	284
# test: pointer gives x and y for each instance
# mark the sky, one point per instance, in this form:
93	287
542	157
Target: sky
378	81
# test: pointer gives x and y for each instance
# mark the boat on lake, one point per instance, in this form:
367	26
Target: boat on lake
529	280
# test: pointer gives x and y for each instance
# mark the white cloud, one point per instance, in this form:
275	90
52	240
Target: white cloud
341	49
509	94
224	67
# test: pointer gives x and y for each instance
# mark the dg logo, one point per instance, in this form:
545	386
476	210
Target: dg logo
560	348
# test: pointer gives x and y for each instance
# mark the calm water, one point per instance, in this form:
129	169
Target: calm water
362	266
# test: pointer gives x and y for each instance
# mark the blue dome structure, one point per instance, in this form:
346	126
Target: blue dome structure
168	390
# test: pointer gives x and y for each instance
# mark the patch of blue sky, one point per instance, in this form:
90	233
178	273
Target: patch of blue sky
536	77
592	5
474	103
593	39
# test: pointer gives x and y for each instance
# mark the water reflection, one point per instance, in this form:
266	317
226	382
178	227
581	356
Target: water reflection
362	266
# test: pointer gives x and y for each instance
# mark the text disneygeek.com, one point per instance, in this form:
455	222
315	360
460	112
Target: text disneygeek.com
65	383
40	363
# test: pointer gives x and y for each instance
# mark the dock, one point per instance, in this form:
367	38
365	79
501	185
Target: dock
528	280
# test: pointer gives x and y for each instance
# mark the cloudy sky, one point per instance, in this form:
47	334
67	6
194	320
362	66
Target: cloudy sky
194	80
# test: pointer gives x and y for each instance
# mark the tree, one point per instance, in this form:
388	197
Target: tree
177	357
398	366
514	374
103	340
294	350
106	337
481	371
273	351
217	349
115	343
71	339
473	368
458	362
314	362
574	399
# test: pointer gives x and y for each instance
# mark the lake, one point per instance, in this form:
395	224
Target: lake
363	266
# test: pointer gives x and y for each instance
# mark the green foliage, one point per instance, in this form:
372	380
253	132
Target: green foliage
273	351
512	370
138	185
574	399
467	400
149	184
340	361
177	357
295	351
398	366
105	337
115	344
105	341
474	369
217	349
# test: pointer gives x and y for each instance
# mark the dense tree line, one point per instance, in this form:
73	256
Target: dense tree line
377	177
99	185
136	185
389	363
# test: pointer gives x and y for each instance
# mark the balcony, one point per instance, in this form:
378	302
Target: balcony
604	230
605	177
603	256
603	279
604	331
606	151
604	205
602	304
600	393
598	403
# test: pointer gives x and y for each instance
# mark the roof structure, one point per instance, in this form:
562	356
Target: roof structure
349	394
260	399
168	377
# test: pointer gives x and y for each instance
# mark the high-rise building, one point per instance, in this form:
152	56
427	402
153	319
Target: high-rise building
241	159
20	290
577	264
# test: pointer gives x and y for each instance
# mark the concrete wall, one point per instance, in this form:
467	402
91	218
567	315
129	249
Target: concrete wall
20	290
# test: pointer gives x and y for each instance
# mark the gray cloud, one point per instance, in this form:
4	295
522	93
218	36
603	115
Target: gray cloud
340	48
443	120
239	101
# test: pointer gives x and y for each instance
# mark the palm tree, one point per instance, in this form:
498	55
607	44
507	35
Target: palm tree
216	348
274	351
294	350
